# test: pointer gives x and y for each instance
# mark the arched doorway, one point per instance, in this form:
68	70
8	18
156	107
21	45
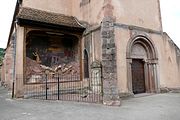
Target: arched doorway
86	64
142	66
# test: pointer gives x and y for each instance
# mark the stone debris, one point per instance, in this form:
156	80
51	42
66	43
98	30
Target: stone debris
35	79
35	71
32	67
46	68
71	68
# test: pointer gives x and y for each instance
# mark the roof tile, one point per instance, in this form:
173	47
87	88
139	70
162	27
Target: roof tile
48	17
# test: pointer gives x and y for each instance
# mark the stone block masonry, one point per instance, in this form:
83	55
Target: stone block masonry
109	72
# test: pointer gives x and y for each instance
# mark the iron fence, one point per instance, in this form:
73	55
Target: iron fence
65	88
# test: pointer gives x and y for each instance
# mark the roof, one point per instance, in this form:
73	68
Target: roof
48	17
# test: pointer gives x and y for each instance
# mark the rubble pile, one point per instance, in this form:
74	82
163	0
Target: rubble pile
71	68
32	67
35	71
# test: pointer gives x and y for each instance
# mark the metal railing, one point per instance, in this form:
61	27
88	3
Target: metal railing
65	88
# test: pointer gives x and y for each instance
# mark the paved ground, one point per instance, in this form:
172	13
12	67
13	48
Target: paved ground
154	107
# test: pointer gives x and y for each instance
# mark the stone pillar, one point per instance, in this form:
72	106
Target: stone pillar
109	67
19	65
155	78
96	77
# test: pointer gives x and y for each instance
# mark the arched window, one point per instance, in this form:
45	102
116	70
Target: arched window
86	64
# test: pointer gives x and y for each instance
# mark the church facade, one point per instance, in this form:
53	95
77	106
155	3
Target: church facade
125	37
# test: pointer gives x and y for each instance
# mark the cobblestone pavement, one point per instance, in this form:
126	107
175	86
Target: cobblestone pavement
153	107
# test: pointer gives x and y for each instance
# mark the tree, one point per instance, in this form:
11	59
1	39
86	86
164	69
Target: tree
1	55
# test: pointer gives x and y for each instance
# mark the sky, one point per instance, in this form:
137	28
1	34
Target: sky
170	12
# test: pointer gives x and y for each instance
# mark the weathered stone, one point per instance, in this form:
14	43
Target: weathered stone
164	90
96	81
126	95
107	34
107	62
174	90
96	64
108	57
108	45
112	103
109	70
111	75
110	90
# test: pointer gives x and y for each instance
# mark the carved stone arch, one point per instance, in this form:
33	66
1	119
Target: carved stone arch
141	50
146	43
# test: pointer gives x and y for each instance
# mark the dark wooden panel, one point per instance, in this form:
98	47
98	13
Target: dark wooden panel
138	79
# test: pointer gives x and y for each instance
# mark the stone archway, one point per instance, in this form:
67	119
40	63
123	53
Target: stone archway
142	66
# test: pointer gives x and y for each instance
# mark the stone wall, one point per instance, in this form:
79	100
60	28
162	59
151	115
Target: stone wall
167	62
142	13
56	6
90	11
7	67
170	78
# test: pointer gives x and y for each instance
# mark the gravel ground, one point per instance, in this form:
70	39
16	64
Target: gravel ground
154	107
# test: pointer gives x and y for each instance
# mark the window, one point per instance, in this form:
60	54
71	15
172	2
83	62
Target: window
86	64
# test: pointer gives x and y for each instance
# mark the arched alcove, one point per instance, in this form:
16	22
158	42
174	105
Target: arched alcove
86	64
49	49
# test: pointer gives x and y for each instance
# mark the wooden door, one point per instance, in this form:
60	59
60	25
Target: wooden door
138	79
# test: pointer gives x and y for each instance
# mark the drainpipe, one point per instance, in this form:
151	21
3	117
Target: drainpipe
14	59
